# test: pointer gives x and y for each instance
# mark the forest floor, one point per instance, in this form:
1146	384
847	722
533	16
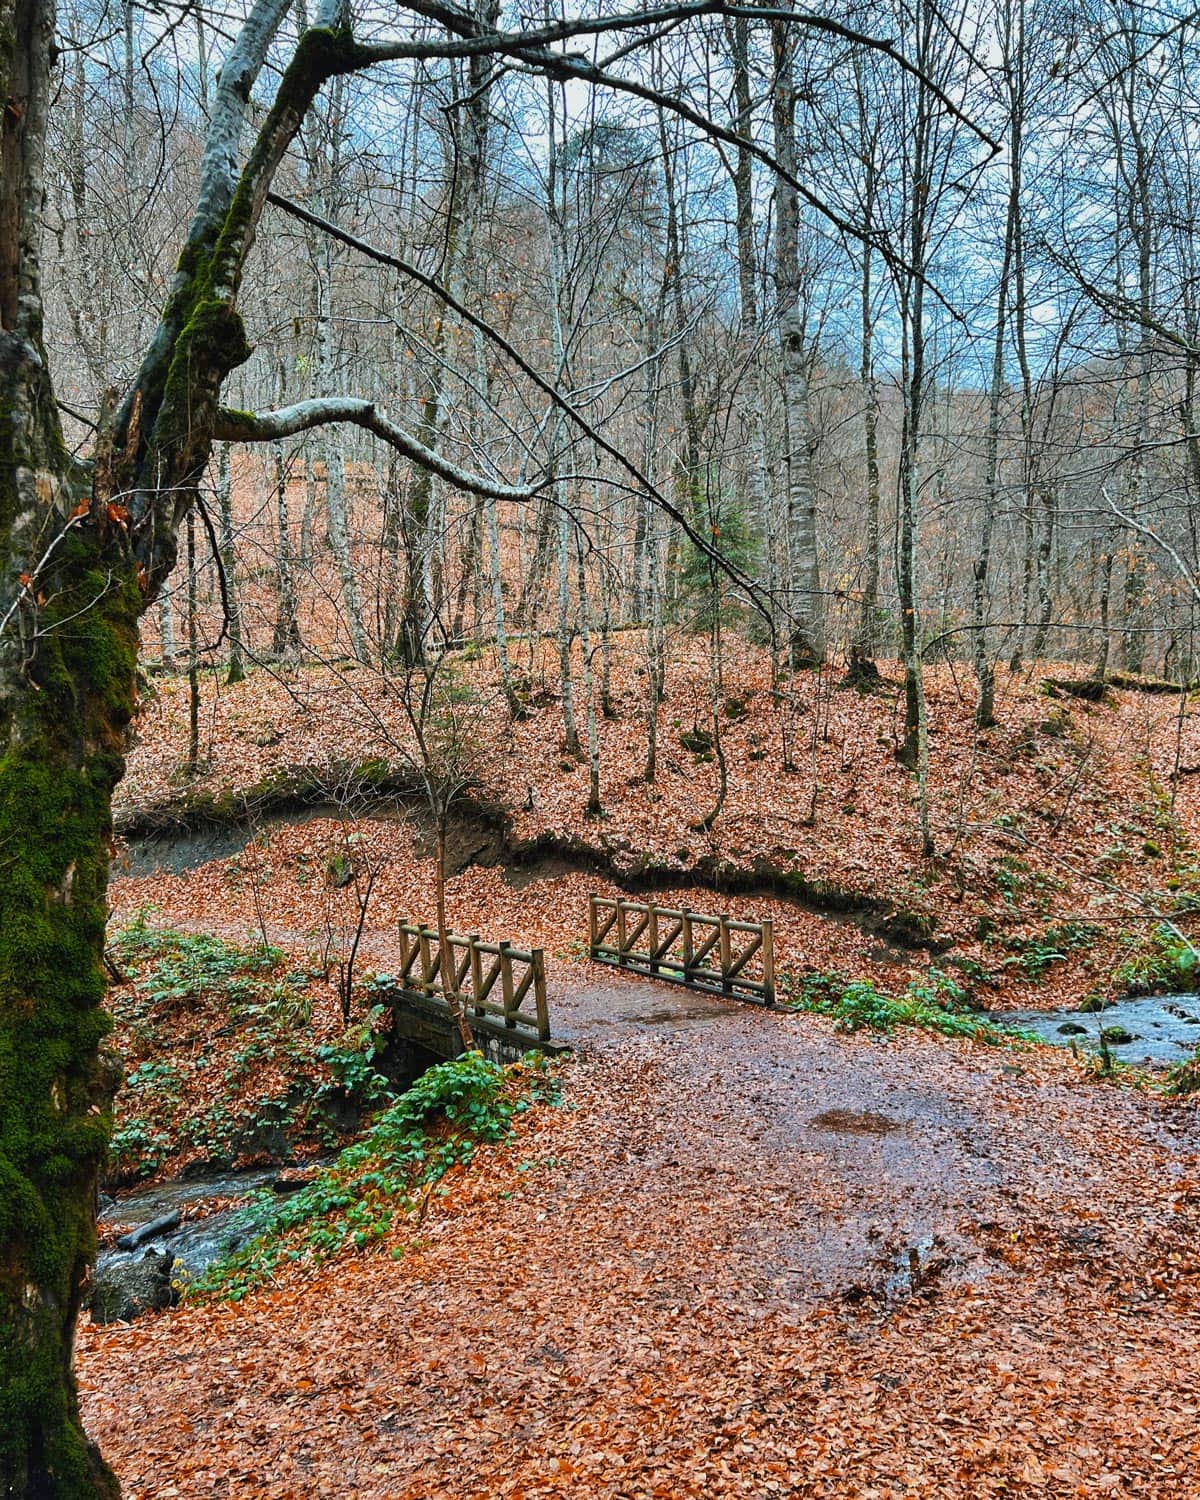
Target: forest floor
751	1255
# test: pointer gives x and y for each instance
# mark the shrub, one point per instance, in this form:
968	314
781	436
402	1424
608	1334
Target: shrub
1166	964
935	1003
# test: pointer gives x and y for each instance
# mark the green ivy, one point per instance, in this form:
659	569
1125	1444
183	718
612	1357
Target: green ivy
935	1003
435	1125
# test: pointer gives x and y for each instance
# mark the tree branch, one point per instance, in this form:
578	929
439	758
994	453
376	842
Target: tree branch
480	39
644	484
268	427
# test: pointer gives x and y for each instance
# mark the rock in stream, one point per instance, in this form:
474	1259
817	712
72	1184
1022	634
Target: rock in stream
160	1249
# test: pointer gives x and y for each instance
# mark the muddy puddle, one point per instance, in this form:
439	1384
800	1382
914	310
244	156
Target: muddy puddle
854	1122
1155	1029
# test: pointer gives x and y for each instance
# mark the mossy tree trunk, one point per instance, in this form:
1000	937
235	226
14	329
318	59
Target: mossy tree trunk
83	552
69	601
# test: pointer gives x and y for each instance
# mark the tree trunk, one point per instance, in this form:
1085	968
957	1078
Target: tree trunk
94	547
192	764
285	641
985	705
335	464
66	697
564	629
593	808
237	660
445	957
806	626
867	642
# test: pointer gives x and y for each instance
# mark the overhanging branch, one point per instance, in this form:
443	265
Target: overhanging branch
272	426
643	484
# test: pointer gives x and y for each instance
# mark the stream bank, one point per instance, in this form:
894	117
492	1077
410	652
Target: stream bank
187	832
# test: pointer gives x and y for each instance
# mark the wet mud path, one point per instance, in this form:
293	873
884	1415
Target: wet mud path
751	1257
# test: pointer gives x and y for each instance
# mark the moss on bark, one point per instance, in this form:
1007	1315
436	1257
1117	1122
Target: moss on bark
61	737
67	682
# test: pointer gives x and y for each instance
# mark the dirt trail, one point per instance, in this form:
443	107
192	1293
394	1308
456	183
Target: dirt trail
755	1258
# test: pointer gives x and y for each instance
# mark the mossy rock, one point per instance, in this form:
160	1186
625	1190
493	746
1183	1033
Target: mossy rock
123	1290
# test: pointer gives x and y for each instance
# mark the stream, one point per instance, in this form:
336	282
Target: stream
1157	1030
197	1242
132	1280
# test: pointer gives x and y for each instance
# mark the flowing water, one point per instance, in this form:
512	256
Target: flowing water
195	1242
1155	1029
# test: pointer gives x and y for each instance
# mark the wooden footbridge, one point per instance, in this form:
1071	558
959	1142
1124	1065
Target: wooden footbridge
501	989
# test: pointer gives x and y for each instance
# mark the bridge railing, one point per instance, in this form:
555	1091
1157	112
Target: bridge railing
491	981
718	955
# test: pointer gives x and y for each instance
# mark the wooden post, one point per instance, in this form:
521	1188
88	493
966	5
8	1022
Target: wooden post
768	961
476	969
620	932
688	948
726	952
424	935
593	925
652	935
506	982
539	995
404	950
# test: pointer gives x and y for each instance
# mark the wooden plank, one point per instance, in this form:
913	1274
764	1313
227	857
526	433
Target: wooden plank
487	980
662	945
630	938
707	946
459	970
521	988
602	917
